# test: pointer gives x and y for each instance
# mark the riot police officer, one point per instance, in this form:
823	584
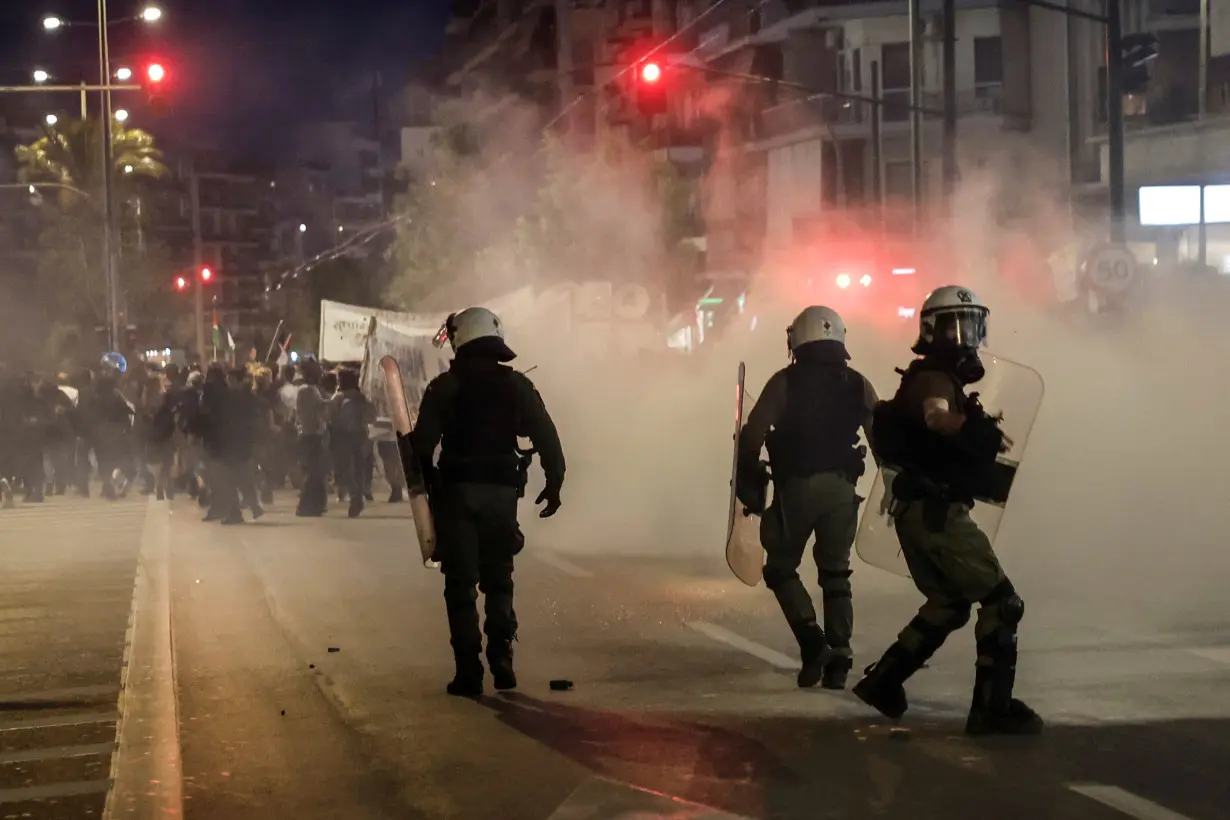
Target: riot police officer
943	448
809	415
476	411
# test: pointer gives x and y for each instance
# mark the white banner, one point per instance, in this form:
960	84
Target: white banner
343	328
420	362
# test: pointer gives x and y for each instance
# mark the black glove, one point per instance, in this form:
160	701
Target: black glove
752	488
550	495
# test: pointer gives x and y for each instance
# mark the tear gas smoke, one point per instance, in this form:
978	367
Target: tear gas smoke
1122	492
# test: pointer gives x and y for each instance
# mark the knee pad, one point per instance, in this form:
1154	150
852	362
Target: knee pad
1009	607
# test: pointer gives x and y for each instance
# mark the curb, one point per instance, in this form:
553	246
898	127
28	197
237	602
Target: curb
146	772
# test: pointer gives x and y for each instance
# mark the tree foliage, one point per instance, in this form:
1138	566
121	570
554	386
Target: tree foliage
71	271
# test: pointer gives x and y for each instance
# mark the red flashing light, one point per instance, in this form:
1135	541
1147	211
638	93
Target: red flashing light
651	72
206	274
155	73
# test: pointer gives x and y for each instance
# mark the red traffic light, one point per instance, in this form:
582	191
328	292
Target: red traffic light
651	72
206	274
155	73
181	283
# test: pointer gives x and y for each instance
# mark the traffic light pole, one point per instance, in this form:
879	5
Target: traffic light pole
1115	137
198	287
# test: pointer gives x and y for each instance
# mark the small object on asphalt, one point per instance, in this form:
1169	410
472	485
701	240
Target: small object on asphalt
283	713
311	666
898	733
561	685
334	649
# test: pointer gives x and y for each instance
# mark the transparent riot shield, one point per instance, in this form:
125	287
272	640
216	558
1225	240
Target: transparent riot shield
744	555
1010	389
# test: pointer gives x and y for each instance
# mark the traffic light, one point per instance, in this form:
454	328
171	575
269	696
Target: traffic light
153	80
650	88
207	275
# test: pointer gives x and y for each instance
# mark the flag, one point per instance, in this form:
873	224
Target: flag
230	341
284	355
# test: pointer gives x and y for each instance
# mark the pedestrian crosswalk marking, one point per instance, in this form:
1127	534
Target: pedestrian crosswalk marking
1126	802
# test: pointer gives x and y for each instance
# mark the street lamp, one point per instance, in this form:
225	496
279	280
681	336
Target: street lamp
151	14
51	22
41	76
128	169
51	119
302	228
121	115
123	74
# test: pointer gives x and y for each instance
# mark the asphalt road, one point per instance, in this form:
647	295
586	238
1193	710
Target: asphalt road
311	658
67	571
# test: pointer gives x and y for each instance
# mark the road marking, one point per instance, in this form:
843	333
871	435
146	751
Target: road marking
770	656
62	694
56	753
1126	802
1217	654
57	790
52	721
562	564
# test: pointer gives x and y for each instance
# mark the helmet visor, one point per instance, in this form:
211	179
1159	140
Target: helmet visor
962	327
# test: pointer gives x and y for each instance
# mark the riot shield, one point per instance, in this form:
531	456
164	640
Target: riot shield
1010	389
416	488
744	555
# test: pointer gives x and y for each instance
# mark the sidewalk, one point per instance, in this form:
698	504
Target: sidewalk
67	573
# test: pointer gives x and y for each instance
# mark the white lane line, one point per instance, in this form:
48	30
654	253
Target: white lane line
562	564
1217	654
55	790
53	721
770	656
55	753
1126	802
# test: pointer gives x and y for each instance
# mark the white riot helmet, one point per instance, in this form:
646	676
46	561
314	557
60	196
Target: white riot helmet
471	325
952	317
815	324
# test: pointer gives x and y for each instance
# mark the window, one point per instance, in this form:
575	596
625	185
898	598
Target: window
895	66
988	61
898	179
895	81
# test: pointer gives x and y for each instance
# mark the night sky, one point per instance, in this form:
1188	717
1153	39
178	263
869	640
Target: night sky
241	71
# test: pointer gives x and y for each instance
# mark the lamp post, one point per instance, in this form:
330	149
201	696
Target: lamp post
150	14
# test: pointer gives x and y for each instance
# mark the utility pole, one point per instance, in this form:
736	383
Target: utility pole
877	142
198	261
1114	121
916	120
950	98
1205	35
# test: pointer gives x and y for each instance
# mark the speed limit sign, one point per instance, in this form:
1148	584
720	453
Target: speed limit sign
1112	268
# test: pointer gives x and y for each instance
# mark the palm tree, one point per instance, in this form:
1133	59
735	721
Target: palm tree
70	154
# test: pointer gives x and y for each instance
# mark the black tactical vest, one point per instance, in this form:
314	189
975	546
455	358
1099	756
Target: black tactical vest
480	430
818	432
903	440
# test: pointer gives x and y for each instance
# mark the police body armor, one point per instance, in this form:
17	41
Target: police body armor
479	442
935	468
818	432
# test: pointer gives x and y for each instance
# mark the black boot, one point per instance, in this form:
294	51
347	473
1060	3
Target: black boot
882	686
836	672
468	680
500	660
814	651
993	710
